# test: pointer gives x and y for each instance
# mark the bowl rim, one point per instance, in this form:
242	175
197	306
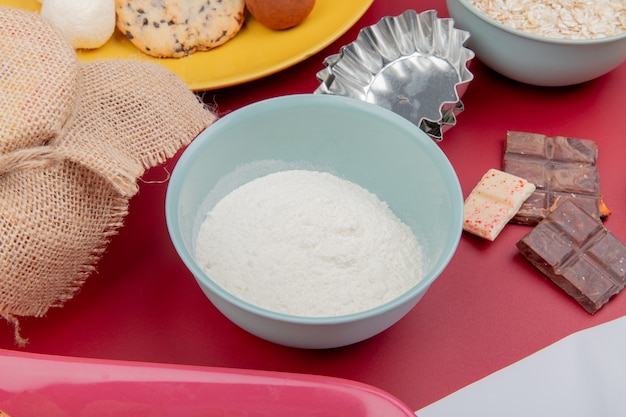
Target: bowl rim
206	137
545	39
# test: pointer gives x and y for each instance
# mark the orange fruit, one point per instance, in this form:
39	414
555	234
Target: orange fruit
280	14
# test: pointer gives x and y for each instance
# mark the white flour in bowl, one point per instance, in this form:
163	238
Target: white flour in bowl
308	243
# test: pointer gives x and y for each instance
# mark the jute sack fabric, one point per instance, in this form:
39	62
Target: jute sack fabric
65	185
38	71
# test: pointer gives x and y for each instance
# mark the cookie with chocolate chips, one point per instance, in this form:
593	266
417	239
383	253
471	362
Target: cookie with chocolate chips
178	28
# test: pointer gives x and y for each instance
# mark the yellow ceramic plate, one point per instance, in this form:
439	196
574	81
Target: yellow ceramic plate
255	52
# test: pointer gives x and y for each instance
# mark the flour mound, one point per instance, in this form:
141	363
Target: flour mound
308	243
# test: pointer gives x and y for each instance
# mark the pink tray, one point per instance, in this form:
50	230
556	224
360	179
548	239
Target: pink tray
45	385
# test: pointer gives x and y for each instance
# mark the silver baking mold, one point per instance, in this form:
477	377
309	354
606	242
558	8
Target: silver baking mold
413	64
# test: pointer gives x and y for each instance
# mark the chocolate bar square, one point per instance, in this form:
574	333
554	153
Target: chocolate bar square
561	168
576	252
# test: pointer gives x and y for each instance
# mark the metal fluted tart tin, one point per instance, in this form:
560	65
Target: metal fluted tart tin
413	64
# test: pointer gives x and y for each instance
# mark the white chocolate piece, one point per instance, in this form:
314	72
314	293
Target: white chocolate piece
493	202
87	24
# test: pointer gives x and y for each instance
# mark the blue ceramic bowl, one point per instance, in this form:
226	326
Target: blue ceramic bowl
532	59
357	141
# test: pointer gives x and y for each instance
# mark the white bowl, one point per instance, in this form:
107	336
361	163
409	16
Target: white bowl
532	59
358	141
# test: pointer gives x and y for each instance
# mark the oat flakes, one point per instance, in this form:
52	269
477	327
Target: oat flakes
565	19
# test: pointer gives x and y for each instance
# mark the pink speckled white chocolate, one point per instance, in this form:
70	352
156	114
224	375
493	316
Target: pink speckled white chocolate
493	202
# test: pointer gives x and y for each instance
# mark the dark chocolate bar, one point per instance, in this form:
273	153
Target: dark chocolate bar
561	168
576	252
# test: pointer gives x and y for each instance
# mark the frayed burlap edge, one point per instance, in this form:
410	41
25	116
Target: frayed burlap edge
144	107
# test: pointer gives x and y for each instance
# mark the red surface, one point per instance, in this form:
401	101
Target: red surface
488	309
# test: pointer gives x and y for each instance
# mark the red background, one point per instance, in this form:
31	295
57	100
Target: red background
488	309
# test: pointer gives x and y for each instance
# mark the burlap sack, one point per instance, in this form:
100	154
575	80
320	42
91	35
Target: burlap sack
38	74
65	185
